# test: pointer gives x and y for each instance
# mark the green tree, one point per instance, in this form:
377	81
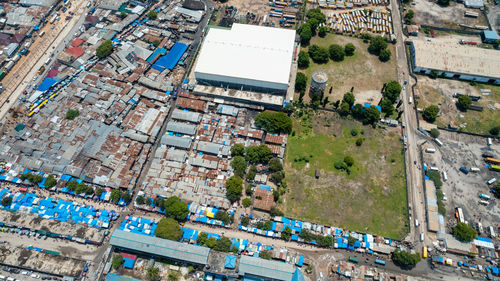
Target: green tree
349	99
277	177
409	16
223	244
300	82
99	191
115	195
377	44
173	276
357	111
152	15
495	130
464	102
117	261
50	181
6	201
234	188
316	14
211	243
247	202
139	200
392	90
464	232
202	238
274	122
404	259
349	49
324	241
156	43
434	133
359	141
153	273
323	30
245	221
265	254
336	52
348	160
72	185
430	113
239	165
238	150
385	55
105	49
169	228
258	154
344	109
223	216
252	172
318	54
387	106
303	60
305	34
126	197
371	115
286	234
275	165
175	208
123	15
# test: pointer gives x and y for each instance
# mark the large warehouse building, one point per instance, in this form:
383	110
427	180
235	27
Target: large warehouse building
455	61
247	58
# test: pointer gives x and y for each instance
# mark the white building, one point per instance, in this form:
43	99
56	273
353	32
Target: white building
247	58
455	61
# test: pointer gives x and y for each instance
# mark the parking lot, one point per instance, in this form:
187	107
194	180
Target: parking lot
24	275
462	190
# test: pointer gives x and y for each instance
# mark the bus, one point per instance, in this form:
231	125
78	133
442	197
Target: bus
353	259
495	168
492	160
382	262
459	214
2	74
424	252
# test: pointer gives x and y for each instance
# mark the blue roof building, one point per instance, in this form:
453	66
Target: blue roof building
489	36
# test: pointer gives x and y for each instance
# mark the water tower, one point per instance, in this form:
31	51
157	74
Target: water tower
318	82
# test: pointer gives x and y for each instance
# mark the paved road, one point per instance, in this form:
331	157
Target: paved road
413	173
26	68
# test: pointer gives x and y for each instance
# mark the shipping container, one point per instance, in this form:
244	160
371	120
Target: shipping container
445	176
491	181
438	142
430	150
488	141
434	168
353	259
410	100
424	252
475	169
463	170
9	65
422	236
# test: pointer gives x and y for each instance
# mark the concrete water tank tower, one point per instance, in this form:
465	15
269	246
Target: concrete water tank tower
318	82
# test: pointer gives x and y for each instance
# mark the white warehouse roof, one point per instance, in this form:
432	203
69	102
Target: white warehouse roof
247	54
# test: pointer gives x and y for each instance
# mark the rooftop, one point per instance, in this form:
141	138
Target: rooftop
457	58
160	247
268	269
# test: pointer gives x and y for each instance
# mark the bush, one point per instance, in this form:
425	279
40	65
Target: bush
409	16
274	122
385	55
435	177
464	102
71	114
433	74
434	133
354	132
405	259
275	212
6	201
169	228
495	130
430	113
303	60
348	160
496	189
464	232
156	43
318	54
153	273
252	172
337	53
349	49
123	15
105	49
237	150
300	82
247	202
344	109
323	31
351	240
234	188
377	44
359	141
117	261
265	254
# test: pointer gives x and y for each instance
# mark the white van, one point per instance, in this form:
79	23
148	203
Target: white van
416	223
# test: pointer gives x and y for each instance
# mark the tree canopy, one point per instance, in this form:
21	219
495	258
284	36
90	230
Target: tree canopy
349	99
337	53
377	44
385	55
344	109
387	106
234	188
464	232
434	133
239	165
318	54
247	202
6	201
117	261
404	259
392	90
153	273
323	30
237	150
349	49
303	60
305	34
265	254
71	114
464	102
286	234
258	154
152	15
169	228
50	181
223	244
274	122
223	217
175	208
300	82
430	113
275	165
371	115
105	49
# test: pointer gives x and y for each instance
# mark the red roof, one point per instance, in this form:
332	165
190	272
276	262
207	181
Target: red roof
129	256
53	72
274	139
75	51
77	42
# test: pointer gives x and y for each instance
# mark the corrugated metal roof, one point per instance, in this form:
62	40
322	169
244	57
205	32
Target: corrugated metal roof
160	247
213	148
176	141
181	128
265	268
184	115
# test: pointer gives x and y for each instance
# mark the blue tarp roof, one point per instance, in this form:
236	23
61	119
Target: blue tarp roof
230	262
46	84
490	34
485	239
128	263
155	54
170	60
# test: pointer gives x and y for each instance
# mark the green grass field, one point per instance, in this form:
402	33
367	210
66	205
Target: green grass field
372	198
